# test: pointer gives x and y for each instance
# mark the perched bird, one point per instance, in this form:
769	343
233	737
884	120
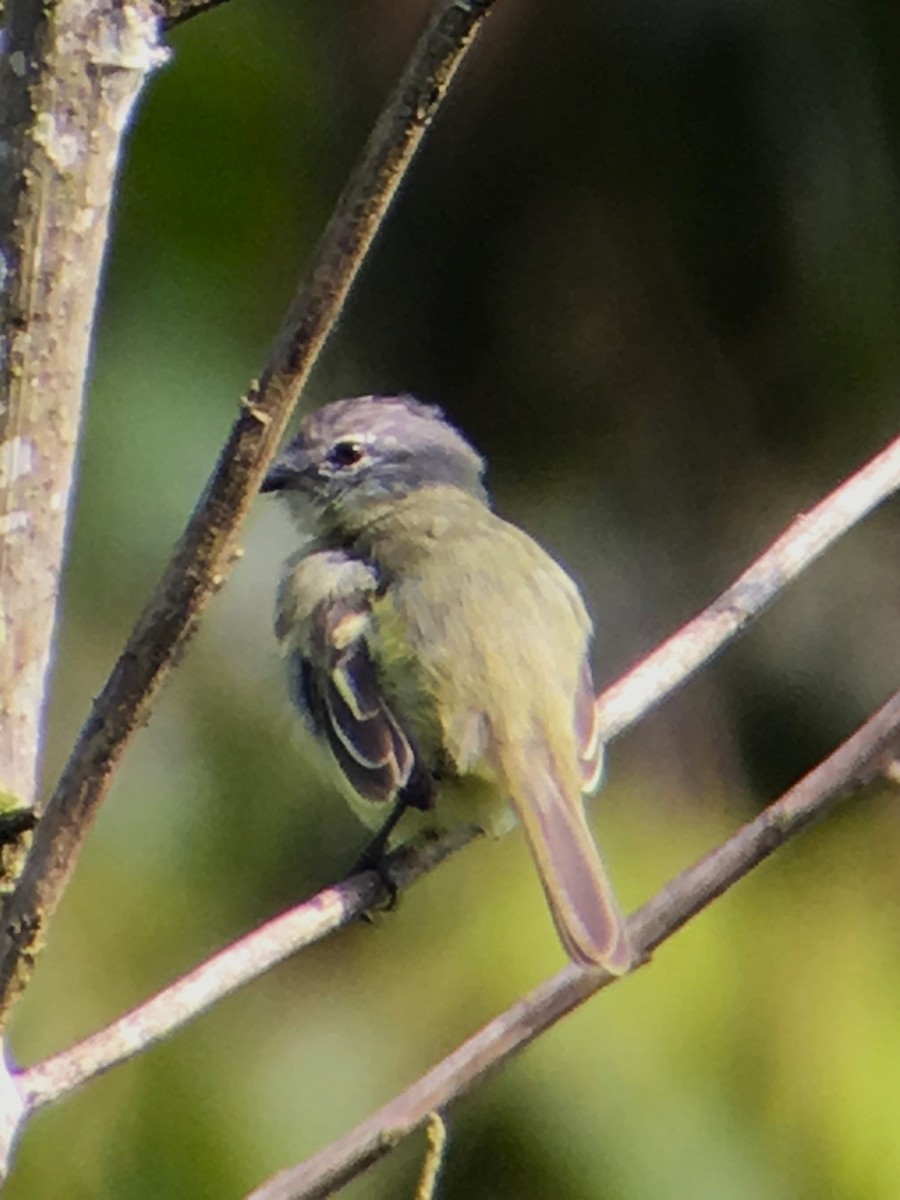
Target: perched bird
439	653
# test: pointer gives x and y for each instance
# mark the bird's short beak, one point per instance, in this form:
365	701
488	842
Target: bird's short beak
279	477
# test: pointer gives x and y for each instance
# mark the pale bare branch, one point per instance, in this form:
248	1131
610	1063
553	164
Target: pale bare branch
805	540
13	1113
176	1005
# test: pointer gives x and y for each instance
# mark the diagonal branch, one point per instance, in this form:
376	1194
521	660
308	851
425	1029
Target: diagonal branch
805	540
206	550
329	910
335	907
856	761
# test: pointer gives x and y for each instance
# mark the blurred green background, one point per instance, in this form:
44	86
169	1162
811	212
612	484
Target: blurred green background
649	261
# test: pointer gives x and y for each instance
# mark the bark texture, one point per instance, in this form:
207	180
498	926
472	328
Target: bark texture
68	83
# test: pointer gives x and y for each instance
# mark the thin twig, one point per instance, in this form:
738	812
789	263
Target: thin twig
805	540
651	925
333	908
206	550
176	12
434	1157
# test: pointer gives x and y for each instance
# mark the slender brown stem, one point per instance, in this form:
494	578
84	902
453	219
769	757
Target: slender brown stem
206	550
688	894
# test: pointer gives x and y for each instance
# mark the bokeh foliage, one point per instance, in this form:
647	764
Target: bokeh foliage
649	260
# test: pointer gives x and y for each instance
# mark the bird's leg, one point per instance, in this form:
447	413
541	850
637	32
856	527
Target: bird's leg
418	792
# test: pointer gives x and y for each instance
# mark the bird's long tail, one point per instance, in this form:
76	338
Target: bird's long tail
577	887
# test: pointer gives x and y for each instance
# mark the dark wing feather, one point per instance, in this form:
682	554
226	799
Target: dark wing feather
335	684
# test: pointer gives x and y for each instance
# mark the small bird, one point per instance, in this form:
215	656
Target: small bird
439	653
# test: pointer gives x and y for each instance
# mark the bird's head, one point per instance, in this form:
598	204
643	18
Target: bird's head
355	454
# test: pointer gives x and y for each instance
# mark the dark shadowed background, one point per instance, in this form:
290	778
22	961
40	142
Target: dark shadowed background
649	262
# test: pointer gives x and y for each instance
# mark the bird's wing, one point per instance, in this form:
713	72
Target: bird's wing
323	617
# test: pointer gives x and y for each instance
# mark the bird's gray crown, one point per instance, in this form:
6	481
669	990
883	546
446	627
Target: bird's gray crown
371	448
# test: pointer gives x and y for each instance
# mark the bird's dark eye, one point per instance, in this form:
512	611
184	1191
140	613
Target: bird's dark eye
345	454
